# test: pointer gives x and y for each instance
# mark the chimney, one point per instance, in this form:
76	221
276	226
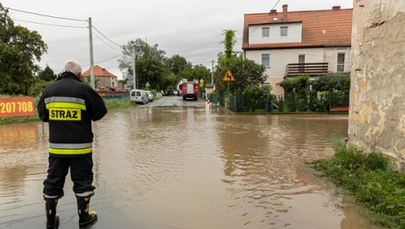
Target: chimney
335	7
273	11
285	12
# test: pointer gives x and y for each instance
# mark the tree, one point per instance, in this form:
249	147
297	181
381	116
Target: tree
153	67
150	63
202	72
150	70
226	58
20	49
176	63
186	72
47	74
191	72
169	82
246	73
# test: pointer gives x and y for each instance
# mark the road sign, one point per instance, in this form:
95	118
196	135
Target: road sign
228	76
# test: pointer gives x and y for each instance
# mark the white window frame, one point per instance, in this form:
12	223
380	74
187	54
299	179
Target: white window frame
265	32
340	67
283	31
301	68
267	65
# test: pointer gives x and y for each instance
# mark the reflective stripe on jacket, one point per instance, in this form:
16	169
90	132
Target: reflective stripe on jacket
69	106
70	149
65	108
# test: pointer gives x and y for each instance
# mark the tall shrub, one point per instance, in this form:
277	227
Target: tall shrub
295	92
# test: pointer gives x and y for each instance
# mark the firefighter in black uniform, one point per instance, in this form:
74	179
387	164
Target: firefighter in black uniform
69	106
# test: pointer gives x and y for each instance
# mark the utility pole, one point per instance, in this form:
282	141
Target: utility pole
212	72
92	81
134	68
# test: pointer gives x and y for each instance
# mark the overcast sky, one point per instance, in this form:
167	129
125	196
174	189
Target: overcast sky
190	28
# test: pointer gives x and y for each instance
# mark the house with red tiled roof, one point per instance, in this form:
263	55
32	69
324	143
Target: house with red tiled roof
104	80
296	43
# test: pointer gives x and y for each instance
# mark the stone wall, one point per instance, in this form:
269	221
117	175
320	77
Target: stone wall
377	94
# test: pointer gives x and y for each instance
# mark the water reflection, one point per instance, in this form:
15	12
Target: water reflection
186	167
18	136
264	166
21	155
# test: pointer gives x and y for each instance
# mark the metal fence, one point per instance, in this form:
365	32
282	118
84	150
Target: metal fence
308	103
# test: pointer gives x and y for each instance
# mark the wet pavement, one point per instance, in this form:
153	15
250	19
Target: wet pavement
181	164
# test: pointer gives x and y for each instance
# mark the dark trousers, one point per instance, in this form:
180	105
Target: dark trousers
80	172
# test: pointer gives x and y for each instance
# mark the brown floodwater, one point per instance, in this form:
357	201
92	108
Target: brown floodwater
186	167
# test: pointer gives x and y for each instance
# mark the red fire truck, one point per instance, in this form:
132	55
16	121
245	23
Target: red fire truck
189	89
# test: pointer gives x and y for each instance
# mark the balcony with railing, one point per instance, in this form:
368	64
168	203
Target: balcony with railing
309	69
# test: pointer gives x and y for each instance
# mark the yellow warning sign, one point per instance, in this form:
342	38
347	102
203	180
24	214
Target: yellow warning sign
228	76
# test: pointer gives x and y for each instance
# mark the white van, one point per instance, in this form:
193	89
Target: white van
138	96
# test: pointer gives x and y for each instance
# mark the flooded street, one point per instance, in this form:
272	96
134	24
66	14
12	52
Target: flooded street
186	167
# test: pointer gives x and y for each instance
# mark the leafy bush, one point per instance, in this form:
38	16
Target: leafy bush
295	90
38	87
255	96
301	94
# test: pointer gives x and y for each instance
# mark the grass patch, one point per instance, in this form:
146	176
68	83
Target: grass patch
118	103
21	119
371	182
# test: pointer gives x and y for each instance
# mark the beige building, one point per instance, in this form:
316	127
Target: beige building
377	96
104	80
296	43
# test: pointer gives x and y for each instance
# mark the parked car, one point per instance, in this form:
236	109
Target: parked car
150	95
177	92
159	95
138	96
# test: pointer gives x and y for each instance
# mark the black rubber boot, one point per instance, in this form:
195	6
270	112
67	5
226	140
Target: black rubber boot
86	217
52	219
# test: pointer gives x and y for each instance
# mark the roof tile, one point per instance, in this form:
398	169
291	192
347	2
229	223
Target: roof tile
98	71
319	28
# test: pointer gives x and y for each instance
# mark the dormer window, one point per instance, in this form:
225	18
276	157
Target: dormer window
283	31
266	32
273	33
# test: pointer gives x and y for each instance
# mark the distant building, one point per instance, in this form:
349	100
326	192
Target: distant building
104	80
296	43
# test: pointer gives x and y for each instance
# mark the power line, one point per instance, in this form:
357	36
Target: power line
46	15
104	60
40	23
107	37
107	43
275	4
